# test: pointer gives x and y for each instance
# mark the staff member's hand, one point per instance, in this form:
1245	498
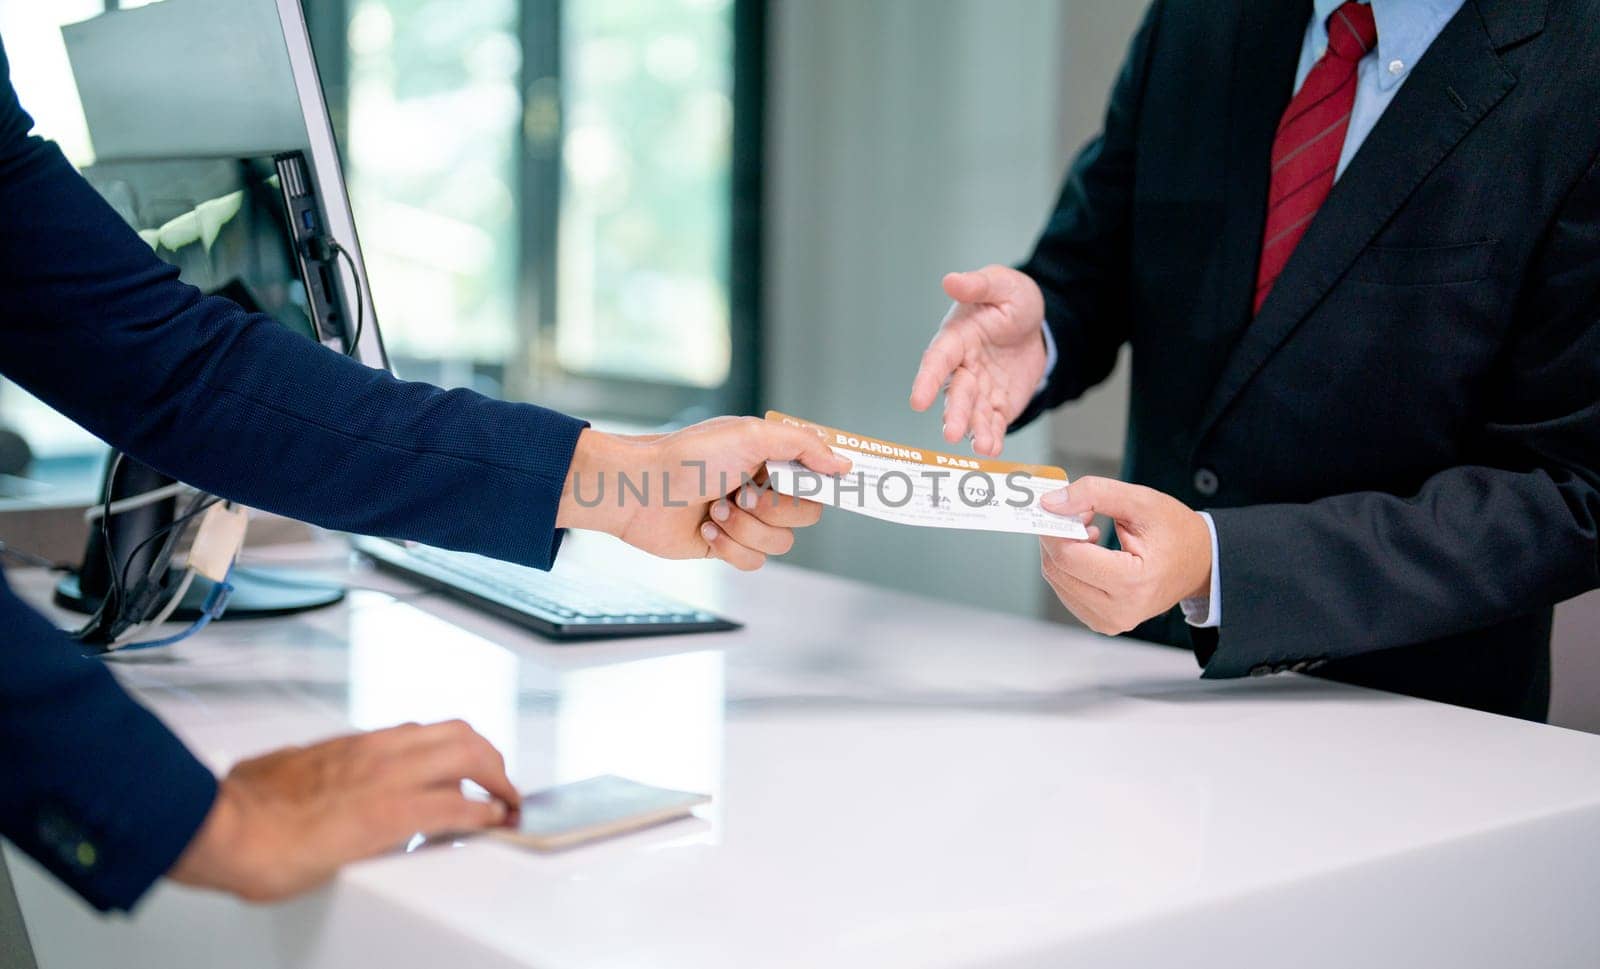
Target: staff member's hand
990	351
285	822
1165	555
681	495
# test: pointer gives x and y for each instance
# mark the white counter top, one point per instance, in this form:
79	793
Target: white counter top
897	782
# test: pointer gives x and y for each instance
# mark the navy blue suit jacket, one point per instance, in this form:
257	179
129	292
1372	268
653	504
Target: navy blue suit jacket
91	322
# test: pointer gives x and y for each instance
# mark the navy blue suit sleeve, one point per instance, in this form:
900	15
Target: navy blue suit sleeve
95	325
95	788
92	786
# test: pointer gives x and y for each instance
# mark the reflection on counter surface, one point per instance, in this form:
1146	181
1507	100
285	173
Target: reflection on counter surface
657	720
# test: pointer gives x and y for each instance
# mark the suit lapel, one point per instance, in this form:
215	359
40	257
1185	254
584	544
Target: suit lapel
1452	88
1266	52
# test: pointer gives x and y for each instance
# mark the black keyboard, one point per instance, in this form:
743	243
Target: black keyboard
569	606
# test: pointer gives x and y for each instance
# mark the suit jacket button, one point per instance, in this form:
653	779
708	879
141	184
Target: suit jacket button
1260	670
1206	483
1300	667
67	840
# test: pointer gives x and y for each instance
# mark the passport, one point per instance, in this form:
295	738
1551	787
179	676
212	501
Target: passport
600	807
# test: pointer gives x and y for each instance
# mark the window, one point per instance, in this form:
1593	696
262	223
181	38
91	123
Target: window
553	195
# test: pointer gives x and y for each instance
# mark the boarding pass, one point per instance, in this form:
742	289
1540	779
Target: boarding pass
915	486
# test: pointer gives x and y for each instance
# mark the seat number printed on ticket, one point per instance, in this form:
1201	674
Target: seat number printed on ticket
914	486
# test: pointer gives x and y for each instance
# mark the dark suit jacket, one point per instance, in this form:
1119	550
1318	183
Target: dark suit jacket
1402	451
93	323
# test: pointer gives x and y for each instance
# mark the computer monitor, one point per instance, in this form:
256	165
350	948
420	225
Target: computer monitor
211	137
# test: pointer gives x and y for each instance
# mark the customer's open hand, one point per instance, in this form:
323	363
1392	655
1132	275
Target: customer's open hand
989	354
1165	555
285	822
686	494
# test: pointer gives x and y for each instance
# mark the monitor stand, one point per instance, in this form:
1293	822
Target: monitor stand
257	592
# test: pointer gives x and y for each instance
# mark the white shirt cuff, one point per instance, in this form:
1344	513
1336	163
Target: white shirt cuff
1051	355
1206	612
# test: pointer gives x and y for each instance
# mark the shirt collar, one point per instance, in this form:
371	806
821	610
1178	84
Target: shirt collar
1406	29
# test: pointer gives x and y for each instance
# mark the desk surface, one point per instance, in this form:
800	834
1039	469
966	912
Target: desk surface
897	782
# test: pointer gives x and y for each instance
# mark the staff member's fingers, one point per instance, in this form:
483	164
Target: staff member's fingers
750	531
939	361
780	442
375	744
720	546
376	822
776	508
450	752
441	811
959	400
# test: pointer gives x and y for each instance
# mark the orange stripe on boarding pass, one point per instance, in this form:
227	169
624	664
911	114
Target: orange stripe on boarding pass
860	444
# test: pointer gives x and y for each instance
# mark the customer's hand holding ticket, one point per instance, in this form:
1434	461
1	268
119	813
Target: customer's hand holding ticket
914	486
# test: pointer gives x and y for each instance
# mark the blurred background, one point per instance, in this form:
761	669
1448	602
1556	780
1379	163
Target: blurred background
647	212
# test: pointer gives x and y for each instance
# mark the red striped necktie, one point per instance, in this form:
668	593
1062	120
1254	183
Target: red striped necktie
1310	139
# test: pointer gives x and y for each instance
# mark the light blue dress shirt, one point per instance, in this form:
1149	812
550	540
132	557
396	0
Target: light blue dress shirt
1406	29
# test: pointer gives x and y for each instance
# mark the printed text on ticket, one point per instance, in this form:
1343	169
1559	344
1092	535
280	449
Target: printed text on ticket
914	486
